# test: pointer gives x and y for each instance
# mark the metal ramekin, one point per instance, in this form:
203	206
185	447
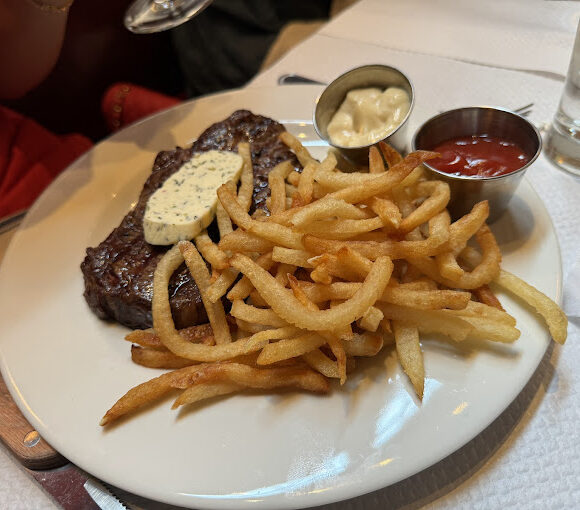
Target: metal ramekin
376	75
480	120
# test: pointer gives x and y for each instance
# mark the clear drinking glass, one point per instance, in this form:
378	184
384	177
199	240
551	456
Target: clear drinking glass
148	16
562	145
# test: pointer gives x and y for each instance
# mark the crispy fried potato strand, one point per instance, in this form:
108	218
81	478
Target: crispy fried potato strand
410	355
202	334
215	310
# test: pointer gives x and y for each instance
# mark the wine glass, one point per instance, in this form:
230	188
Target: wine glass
148	16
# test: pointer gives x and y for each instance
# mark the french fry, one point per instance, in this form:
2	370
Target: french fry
293	178
486	295
220	286
477	309
488	329
272	232
215	310
248	313
335	344
411	179
354	261
145	393
410	355
437	197
426	299
553	315
205	391
245	242
246	190
223	219
250	327
390	154
371	319
244	287
341	228
336	180
467	226
153	358
376	163
324	208
290	348
202	334
306	183
388	211
487	270
382	183
237	211
364	344
429	321
294	144
374	249
322	363
251	377
410	295
332	338
331	265
448	267
210	251
321	293
321	274
283	272
276	180
297	258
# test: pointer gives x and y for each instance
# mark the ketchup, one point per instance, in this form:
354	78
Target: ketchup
478	156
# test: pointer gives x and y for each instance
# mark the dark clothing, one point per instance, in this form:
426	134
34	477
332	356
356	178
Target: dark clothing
224	46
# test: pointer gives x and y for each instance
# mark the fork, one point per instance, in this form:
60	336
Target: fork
524	111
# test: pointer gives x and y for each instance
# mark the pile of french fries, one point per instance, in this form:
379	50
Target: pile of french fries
344	264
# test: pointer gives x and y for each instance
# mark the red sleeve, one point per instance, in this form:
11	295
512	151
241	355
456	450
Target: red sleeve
30	158
124	103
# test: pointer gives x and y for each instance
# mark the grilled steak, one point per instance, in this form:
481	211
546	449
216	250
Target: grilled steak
118	273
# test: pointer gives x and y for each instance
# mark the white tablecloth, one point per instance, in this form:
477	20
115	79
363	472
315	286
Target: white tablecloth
499	53
530	35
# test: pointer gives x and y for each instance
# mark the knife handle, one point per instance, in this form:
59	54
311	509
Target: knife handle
20	437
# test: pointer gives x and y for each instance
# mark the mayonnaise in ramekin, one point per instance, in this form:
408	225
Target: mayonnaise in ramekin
368	115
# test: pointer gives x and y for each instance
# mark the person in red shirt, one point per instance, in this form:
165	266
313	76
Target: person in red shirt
31	35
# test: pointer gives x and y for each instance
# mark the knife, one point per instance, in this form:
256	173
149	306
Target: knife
69	486
9	222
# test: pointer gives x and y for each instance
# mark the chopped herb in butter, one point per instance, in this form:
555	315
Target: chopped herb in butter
187	201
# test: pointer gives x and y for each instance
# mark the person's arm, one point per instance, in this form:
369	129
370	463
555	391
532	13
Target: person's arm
31	36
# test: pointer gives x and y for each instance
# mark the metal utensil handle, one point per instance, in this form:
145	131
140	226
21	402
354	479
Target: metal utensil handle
9	222
524	111
288	79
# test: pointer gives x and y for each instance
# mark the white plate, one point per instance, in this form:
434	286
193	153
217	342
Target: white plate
65	367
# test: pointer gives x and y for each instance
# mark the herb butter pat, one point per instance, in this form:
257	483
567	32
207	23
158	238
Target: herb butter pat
187	201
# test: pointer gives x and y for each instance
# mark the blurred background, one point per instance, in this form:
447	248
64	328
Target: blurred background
221	48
